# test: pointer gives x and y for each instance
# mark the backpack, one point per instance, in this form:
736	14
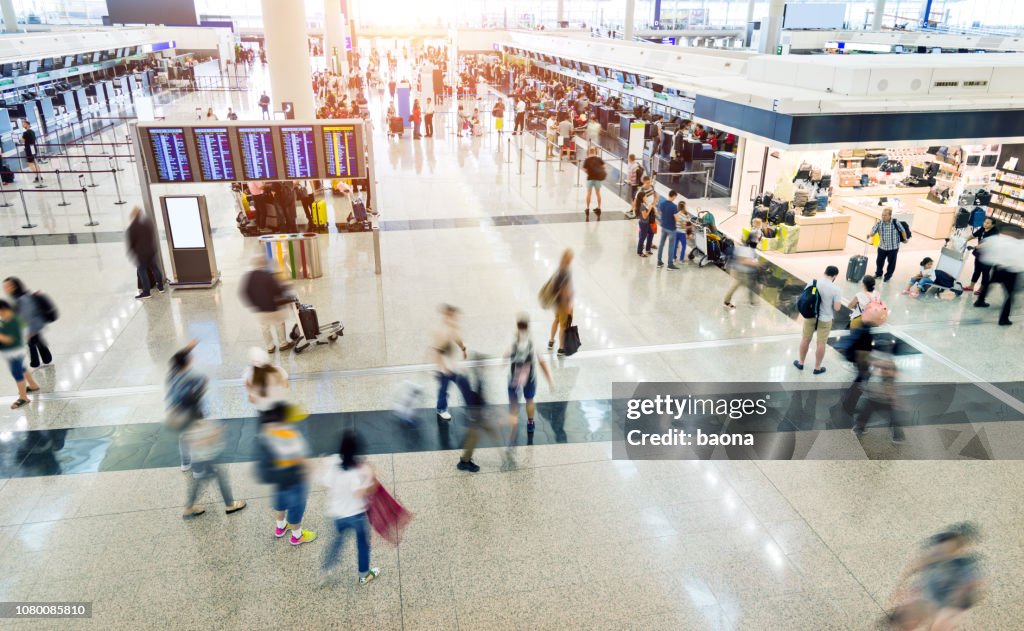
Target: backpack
809	302
598	172
521	364
977	218
269	473
45	306
903	229
6	175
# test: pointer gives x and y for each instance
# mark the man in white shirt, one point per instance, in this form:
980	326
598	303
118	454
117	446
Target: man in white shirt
551	132
428	119
520	117
829	302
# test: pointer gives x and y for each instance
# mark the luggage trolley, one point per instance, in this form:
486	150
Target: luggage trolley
708	252
308	330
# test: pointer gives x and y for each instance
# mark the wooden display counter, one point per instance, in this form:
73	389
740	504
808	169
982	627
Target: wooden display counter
932	220
822	232
877	191
864	213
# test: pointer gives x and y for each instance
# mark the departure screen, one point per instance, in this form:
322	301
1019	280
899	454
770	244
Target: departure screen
341	153
298	146
258	157
215	159
167	146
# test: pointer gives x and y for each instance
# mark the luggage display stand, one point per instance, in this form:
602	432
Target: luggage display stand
297	254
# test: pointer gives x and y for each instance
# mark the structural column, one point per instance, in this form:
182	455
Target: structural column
627	32
876	21
560	12
750	11
288	56
335	56
10	16
772	29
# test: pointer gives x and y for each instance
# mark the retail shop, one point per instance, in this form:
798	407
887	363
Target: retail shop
818	196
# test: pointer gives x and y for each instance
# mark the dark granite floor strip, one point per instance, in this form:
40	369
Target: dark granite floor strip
793	409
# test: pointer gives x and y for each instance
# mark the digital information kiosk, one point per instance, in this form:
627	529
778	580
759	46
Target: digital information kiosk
193	263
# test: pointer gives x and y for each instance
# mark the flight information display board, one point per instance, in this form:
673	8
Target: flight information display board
259	161
234	151
299	147
170	154
342	150
216	162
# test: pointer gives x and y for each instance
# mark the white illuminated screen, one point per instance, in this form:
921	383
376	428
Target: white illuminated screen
186	222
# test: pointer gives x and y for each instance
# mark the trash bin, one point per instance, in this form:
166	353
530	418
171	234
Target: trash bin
297	254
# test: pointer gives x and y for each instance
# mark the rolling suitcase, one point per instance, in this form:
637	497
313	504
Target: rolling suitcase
308	321
856	268
319	212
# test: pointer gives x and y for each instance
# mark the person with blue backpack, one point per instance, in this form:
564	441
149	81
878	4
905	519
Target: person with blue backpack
283	461
818	304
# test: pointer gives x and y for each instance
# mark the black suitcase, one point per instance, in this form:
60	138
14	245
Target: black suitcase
396	125
856	268
308	321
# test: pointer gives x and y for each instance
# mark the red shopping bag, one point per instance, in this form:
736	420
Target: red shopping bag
387	517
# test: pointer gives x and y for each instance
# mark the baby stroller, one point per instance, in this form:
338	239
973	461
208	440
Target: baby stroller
308	329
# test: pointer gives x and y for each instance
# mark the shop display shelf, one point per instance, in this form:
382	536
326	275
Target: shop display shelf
1018	211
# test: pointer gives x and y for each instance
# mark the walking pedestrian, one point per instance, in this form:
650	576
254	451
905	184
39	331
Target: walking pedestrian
284	196
827	302
472	386
498	114
560	295
744	264
948	582
142	245
593	132
284	463
428	119
520	123
882	396
683	230
33	310
265	106
982	271
596	171
28	143
890	236
12	347
416	117
522	379
551	136
349	482
1005	255
645	213
268	297
201	438
445	341
566	141
265	384
634	178
667	209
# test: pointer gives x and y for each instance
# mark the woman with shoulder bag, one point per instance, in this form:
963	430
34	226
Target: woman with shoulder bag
498	113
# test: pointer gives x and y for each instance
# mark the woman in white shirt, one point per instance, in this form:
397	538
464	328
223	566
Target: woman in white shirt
266	384
349	482
861	300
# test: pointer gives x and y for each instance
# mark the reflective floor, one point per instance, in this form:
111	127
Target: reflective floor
90	495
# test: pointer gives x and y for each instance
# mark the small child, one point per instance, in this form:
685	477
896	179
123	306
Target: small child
923	279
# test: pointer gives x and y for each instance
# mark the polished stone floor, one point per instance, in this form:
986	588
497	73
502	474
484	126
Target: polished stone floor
90	498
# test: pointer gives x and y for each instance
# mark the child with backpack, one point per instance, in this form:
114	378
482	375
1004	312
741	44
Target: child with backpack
522	379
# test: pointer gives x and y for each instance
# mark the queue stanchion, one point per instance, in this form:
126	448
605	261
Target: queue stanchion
24	206
707	182
578	171
520	158
3	196
508	159
88	167
131	147
536	174
63	200
117	186
88	208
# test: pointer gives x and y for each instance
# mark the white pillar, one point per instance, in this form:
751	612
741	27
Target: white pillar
560	13
334	37
10	16
288	56
750	11
630	16
772	28
876	21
